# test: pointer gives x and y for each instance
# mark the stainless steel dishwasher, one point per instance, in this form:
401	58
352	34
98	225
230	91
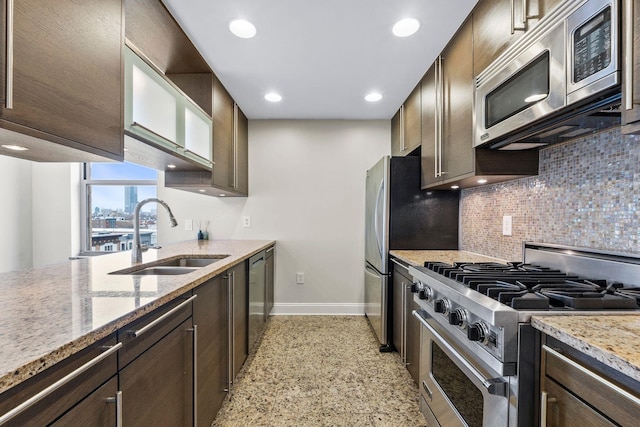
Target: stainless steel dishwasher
257	283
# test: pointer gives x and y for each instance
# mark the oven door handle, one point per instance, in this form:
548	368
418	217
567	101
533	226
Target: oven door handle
494	386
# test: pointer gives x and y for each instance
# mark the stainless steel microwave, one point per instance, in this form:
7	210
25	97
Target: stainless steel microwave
569	59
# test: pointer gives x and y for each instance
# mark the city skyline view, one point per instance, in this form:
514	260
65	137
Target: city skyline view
113	197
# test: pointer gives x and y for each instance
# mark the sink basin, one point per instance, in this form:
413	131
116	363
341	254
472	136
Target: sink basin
182	264
162	271
191	262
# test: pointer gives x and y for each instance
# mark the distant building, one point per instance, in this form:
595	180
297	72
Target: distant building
130	198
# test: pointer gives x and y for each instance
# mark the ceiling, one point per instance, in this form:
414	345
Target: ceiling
322	56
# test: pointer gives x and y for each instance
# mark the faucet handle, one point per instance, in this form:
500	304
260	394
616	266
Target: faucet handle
144	247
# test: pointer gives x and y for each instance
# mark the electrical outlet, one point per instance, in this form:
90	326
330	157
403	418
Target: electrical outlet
246	221
506	225
300	278
188	224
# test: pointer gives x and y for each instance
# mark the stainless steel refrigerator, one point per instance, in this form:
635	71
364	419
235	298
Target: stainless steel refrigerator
400	216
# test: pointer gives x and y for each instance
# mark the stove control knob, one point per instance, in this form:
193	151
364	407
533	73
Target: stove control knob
478	332
425	293
458	317
415	287
442	306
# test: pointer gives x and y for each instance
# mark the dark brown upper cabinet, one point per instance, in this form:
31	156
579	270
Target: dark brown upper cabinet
406	125
631	69
62	91
448	157
497	24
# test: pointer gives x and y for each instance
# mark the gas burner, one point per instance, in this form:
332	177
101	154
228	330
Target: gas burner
534	287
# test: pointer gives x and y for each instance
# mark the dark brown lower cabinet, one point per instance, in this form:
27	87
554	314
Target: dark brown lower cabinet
97	409
406	328
577	390
210	319
157	387
238	330
87	372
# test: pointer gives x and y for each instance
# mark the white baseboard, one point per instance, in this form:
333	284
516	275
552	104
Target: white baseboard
344	309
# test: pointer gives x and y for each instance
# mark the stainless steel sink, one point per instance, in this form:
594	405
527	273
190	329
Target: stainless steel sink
162	271
181	264
191	262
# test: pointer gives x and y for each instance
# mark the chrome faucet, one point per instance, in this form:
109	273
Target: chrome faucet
136	252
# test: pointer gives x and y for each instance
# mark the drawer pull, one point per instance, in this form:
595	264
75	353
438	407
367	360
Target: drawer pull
136	333
61	382
592	375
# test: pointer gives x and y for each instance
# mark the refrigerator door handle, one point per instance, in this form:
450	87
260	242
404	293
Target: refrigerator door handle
376	222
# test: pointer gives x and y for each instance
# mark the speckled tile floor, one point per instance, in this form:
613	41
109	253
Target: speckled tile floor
321	371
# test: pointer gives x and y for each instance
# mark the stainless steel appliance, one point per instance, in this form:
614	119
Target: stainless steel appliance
559	80
400	216
257	284
477	362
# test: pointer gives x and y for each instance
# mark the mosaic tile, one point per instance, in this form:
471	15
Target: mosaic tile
587	194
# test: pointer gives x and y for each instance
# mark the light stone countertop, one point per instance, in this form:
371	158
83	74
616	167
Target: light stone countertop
610	339
417	258
50	313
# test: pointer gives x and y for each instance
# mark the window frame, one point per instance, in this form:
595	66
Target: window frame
85	205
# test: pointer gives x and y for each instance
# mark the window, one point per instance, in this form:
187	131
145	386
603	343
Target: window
110	192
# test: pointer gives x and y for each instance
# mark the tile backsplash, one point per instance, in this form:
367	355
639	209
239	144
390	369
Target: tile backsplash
587	194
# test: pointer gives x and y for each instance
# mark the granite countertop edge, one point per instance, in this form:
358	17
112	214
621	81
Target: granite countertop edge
18	374
618	355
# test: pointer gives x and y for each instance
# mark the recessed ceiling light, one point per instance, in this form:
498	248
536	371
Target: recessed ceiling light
273	97
455	187
373	97
482	181
171	166
242	28
14	147
406	27
222	195
202	191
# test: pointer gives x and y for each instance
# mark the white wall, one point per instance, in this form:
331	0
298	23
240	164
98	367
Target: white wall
306	190
40	215
15	214
56	212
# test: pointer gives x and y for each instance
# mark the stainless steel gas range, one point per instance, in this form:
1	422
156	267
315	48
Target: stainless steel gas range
478	362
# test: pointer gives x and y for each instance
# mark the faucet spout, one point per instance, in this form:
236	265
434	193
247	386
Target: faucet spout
136	252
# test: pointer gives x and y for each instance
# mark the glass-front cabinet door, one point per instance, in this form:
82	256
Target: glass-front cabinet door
158	113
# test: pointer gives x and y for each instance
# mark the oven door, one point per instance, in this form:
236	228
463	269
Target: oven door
517	90
458	391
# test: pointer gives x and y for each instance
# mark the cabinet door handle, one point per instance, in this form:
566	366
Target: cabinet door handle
628	54
544	403
8	100
436	118
56	385
136	333
157	135
194	331
402	146
234	184
440	115
118	401
230	329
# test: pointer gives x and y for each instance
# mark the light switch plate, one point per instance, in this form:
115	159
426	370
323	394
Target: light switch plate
300	278
188	224
506	225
